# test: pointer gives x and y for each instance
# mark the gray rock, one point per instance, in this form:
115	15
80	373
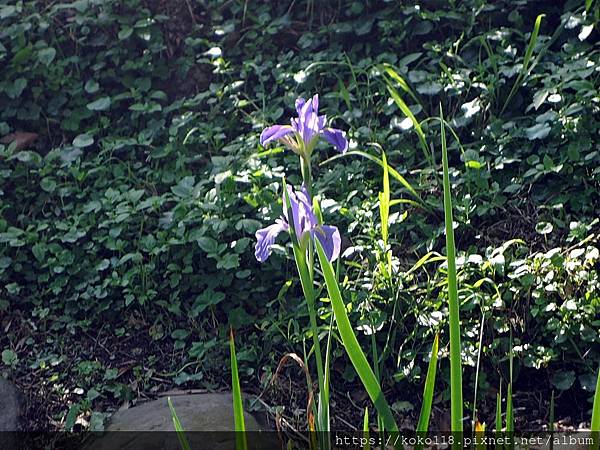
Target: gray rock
10	406
206	418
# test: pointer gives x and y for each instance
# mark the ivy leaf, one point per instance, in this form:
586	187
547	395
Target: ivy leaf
102	104
563	380
538	131
48	184
71	417
16	89
208	244
39	251
7	11
544	228
124	33
97	421
9	357
539	97
46	56
83	140
91	86
229	261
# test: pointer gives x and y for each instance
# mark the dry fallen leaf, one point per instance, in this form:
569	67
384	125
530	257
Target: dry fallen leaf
23	139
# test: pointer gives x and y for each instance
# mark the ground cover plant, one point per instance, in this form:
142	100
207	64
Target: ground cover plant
128	221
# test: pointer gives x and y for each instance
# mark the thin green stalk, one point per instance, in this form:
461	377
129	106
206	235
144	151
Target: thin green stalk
323	409
526	59
241	442
510	422
424	416
499	415
375	356
313	406
551	421
306	280
478	366
309	295
456	397
384	213
306	272
306	174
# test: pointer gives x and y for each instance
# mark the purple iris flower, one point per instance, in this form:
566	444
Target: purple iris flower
306	226
304	132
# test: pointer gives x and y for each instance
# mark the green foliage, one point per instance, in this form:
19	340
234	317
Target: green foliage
137	204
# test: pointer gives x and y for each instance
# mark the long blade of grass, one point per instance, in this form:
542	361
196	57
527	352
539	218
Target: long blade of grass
420	262
393	172
416	124
404	201
510	424
351	345
241	442
423	424
532	42
456	397
526	60
388	69
384	201
183	442
384	213
595	425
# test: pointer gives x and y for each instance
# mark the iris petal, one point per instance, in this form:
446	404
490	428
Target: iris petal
330	239
337	138
304	218
299	104
315	103
274	132
265	239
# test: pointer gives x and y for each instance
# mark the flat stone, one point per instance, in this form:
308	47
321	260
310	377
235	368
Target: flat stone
10	411
206	418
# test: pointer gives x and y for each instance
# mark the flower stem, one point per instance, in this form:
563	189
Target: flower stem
309	294
305	264
306	174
